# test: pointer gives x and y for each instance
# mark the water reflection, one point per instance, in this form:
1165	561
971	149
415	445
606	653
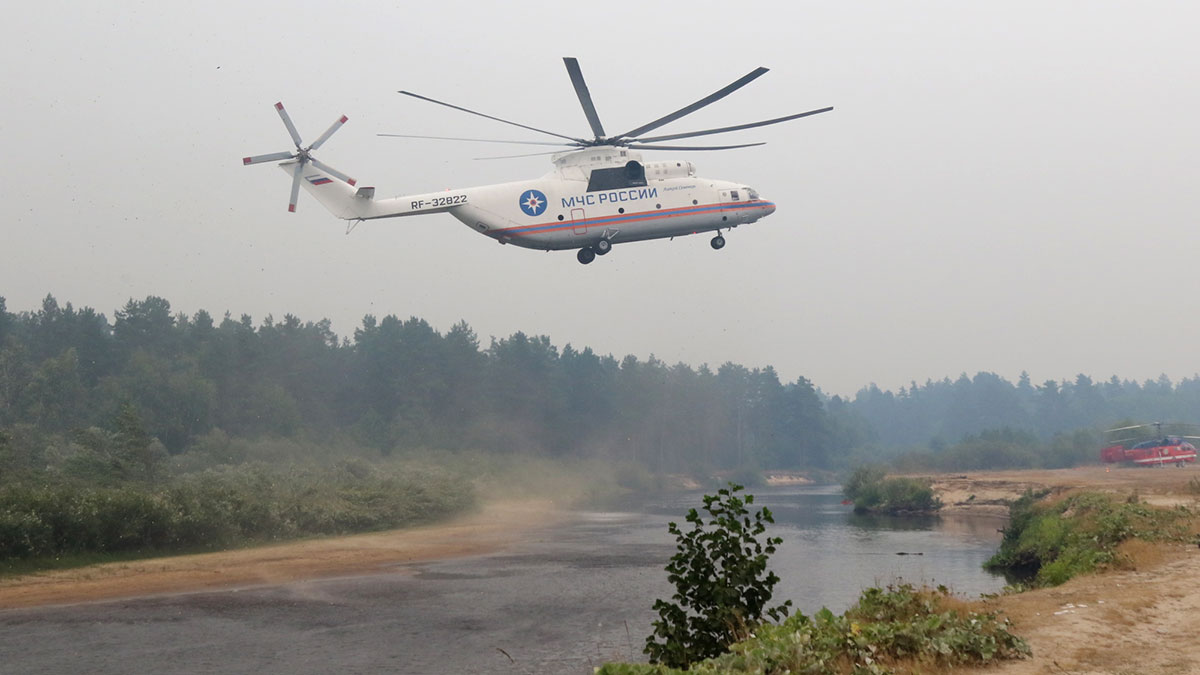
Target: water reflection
829	553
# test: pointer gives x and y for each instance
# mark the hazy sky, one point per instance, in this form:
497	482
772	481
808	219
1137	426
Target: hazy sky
1002	186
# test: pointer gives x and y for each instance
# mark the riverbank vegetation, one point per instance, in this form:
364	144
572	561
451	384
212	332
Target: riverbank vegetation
872	491
895	629
1048	541
718	622
217	508
722	584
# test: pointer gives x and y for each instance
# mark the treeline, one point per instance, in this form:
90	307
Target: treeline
394	385
939	413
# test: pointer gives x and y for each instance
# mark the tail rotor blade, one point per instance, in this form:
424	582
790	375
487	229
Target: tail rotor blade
328	132
295	187
331	171
273	157
287	122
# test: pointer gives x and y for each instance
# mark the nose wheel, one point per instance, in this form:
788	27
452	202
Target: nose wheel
586	255
718	243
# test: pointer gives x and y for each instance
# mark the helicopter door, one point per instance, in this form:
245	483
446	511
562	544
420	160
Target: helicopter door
578	221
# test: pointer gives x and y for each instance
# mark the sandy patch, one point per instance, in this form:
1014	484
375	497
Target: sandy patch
491	529
989	492
1137	622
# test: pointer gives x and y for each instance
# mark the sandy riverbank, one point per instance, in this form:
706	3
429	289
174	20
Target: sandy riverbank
487	530
1138	621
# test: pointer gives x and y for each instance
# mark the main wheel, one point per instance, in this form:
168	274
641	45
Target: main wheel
718	242
602	247
585	255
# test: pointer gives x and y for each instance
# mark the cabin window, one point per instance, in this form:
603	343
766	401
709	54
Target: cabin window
633	174
733	195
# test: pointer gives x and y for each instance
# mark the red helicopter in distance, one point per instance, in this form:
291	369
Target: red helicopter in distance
1135	445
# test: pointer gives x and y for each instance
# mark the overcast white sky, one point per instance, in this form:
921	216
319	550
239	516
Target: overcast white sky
1002	186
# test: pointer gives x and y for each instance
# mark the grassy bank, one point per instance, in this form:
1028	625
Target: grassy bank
218	508
1048	541
894	629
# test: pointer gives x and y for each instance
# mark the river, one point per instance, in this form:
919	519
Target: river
563	600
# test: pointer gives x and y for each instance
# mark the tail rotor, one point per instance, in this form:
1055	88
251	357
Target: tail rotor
302	155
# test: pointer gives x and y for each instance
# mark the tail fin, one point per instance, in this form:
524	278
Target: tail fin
339	198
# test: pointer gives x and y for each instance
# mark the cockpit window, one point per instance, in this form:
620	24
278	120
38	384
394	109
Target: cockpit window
751	194
733	194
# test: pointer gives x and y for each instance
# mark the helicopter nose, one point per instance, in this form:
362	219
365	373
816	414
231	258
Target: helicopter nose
770	206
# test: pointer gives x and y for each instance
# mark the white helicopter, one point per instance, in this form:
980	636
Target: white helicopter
600	192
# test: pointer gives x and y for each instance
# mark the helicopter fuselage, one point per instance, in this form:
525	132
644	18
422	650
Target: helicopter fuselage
591	195
573	218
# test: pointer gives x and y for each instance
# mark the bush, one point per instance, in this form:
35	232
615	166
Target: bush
897	627
219	508
872	492
721	580
1050	543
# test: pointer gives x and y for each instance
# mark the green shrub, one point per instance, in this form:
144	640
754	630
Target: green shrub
1050	543
898	625
722	585
873	492
222	507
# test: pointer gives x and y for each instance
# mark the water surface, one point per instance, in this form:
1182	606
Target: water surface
563	600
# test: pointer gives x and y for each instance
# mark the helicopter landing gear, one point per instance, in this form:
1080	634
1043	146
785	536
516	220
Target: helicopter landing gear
586	255
602	247
718	243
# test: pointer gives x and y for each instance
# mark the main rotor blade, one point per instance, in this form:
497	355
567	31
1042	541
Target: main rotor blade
331	171
274	156
711	98
532	154
295	186
481	140
638	146
328	132
515	124
585	97
739	127
287	122
1135	426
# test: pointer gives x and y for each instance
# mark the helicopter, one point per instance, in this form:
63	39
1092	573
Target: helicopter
1129	444
599	193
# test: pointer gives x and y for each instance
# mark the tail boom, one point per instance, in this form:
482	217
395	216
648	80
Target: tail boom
349	203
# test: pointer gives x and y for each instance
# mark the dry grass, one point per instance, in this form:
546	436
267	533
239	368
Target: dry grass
1139	554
